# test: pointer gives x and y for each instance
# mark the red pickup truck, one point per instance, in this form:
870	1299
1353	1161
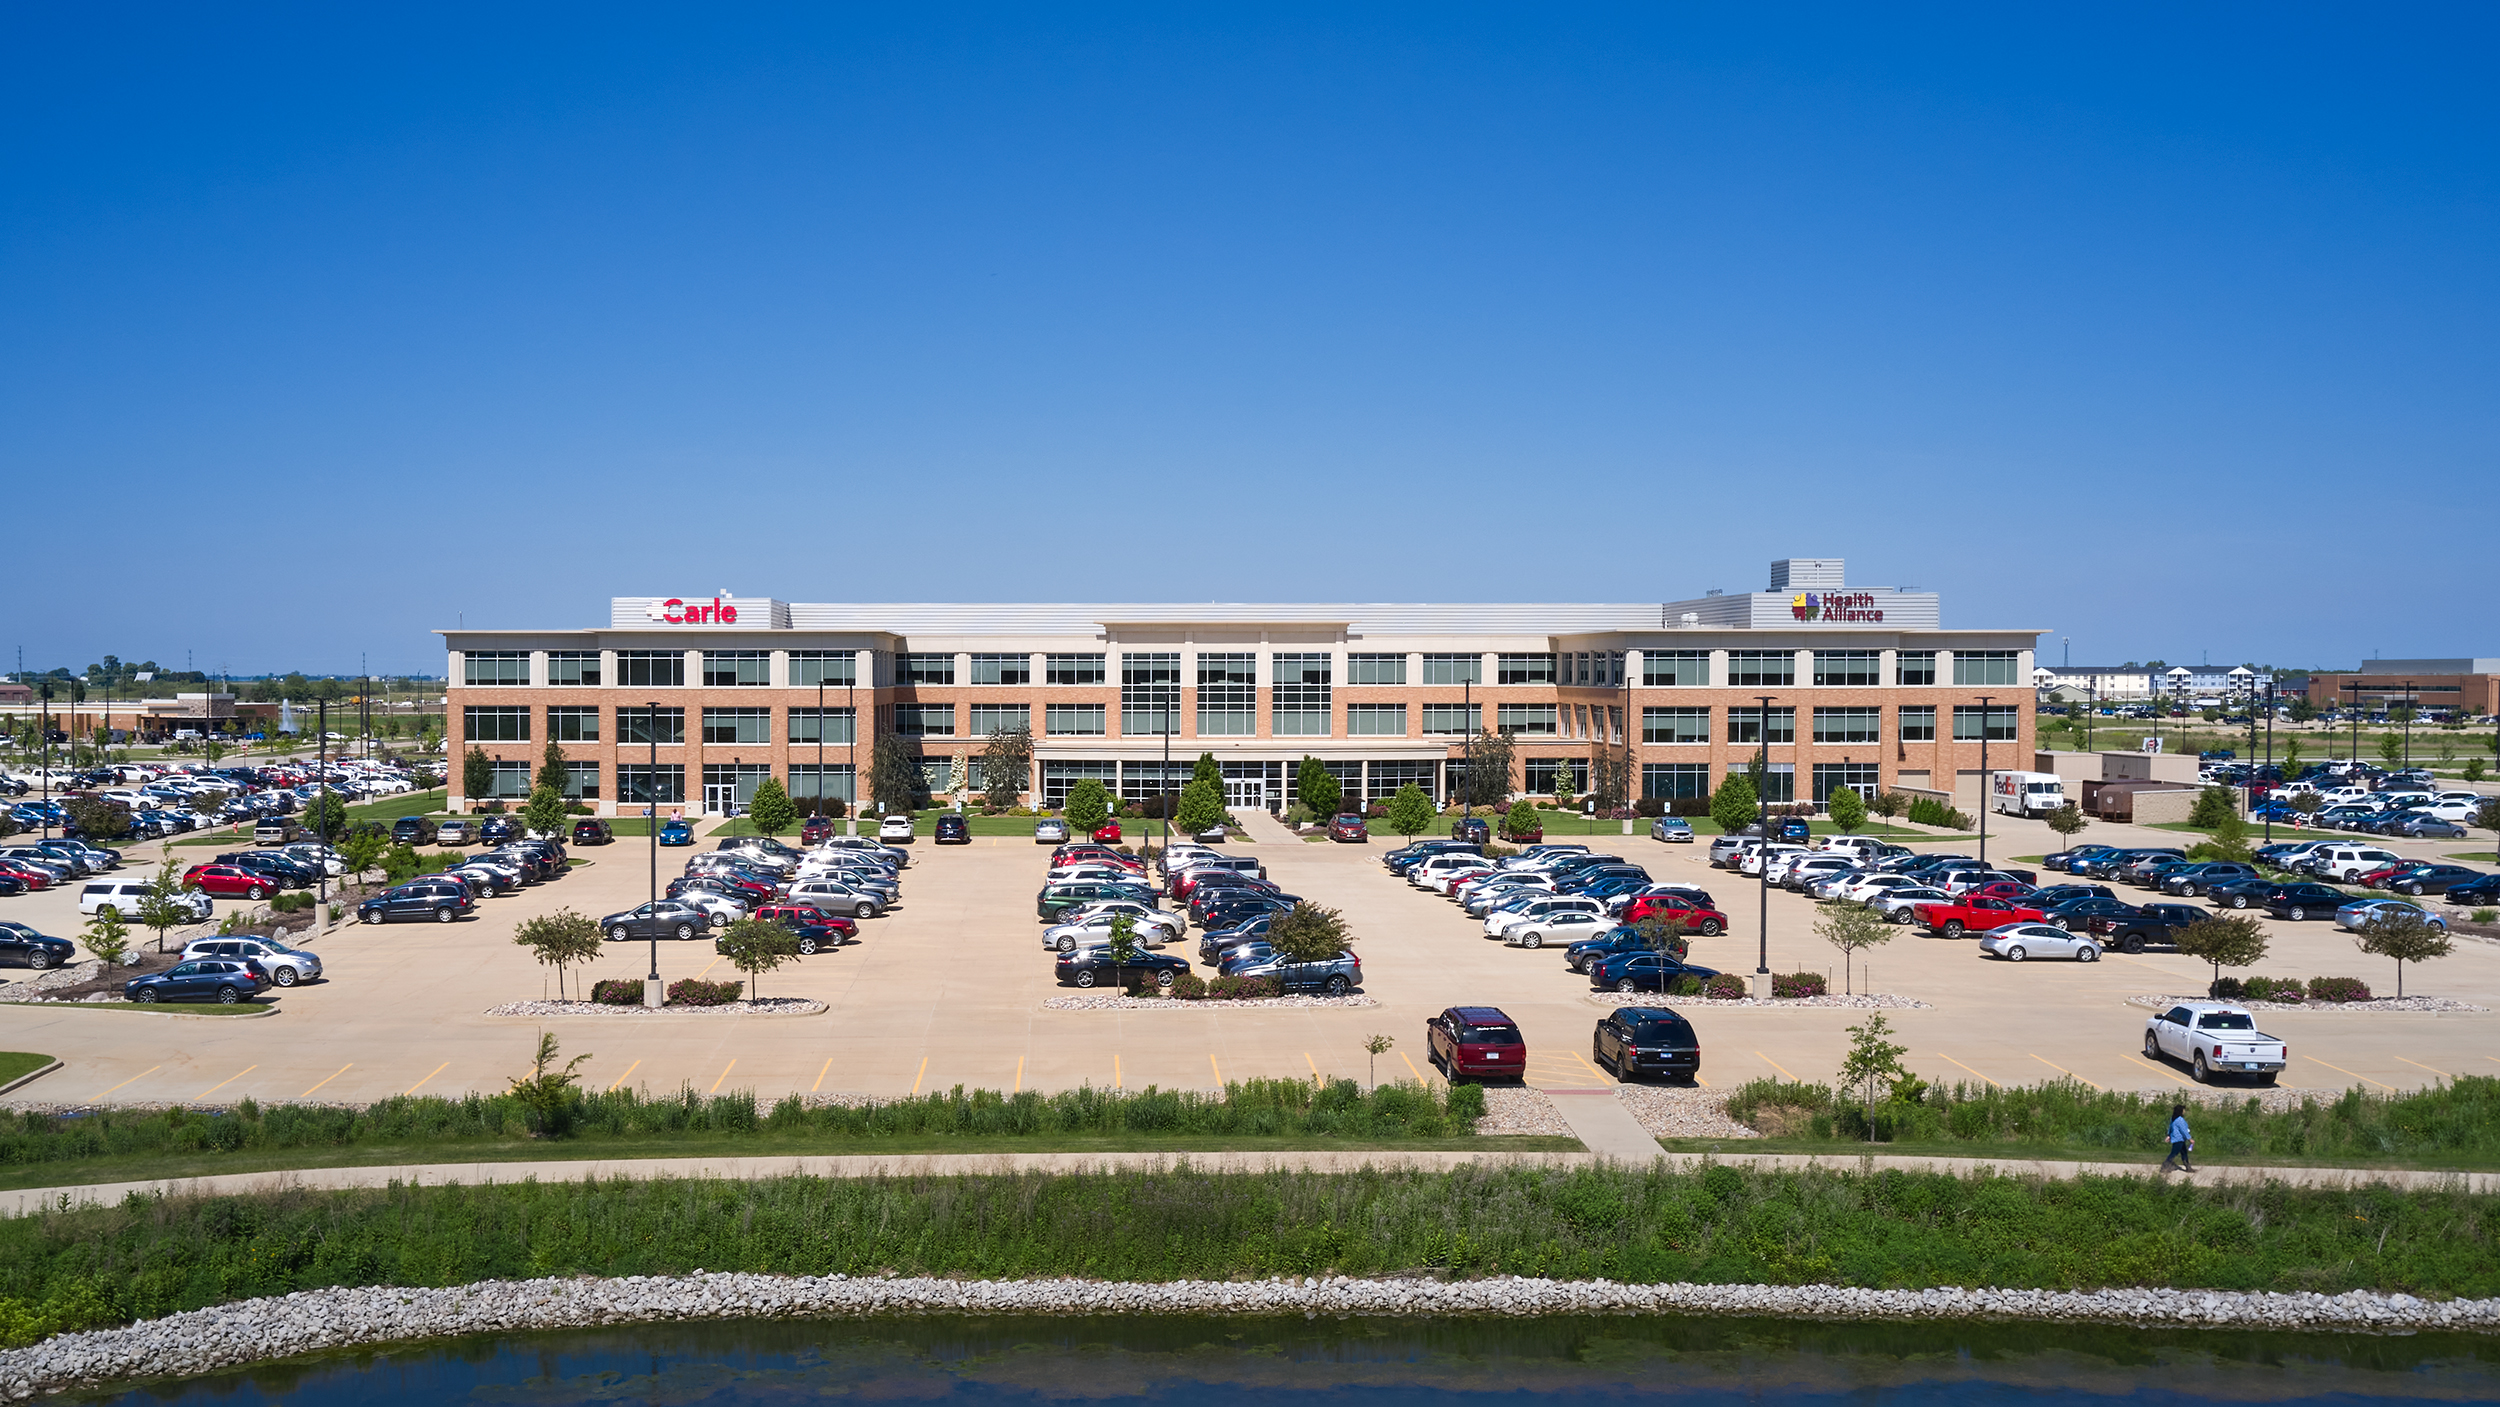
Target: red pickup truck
1982	912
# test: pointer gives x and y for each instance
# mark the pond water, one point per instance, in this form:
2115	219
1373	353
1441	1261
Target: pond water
1009	1362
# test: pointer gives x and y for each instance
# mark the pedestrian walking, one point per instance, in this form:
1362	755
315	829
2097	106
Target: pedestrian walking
2182	1142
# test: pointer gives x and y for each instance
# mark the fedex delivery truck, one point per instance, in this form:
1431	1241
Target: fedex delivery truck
2028	793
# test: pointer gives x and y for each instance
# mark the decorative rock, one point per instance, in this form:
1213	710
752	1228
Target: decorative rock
2157	1002
1122	1001
1863	1001
769	1006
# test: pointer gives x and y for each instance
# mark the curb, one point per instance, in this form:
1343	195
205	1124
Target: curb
137	1009
31	1076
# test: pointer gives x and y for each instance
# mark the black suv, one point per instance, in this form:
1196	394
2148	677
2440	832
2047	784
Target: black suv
412	830
953	830
498	829
25	947
593	832
441	900
1646	1040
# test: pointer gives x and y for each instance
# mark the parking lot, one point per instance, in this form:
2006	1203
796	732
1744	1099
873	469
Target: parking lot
948	990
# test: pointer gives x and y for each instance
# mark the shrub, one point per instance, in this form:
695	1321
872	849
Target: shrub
616	993
1649	806
490	808
1928	811
1689	806
2485	915
1684	987
2338	989
1726	986
1798	984
1238	988
2227	989
2274	989
1466	1103
1188	987
695	992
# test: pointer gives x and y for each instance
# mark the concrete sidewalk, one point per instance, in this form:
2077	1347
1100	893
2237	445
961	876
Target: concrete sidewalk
960	1164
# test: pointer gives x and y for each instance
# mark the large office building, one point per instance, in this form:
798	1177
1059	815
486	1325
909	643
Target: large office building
2464	689
693	701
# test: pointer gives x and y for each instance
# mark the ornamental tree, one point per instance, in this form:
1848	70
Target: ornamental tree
1736	804
1202	806
1410	811
1088	805
772	810
2225	940
1852	928
1848	810
559	940
756	946
2401	934
1317	788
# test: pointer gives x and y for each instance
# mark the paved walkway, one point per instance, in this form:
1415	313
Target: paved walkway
31	1199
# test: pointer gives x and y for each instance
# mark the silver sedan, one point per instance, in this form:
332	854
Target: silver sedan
2018	942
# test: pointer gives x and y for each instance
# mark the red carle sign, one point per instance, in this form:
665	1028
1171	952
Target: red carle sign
677	612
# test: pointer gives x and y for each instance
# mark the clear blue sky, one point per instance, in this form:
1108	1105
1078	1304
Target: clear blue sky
2167	329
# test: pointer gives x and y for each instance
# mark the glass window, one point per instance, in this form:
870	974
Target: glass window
1074	669
1530	720
1847	668
512	779
737	725
1675	669
1375	669
741	779
494	725
1451	718
635	726
1001	718
929	669
1761	669
1299	704
1675	725
924	720
732	669
1672	781
1744	725
1914	668
1524	669
573	668
1375	720
1074	720
654	669
1150	694
1002	669
807	785
1453	669
573	725
1998	723
834	724
1918	723
1058	777
1864	778
581	780
1779	785
487	667
1228	695
1544	772
1985	667
809	668
1847	725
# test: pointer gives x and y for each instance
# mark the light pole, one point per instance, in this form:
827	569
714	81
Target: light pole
651	794
1467	746
1762	805
2408	725
851	812
44	722
1985	795
2269	760
2352	705
820	740
321	771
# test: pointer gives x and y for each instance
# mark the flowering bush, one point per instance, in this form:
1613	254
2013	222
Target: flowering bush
1188	986
1726	986
1799	984
2274	989
1240	988
2338	989
693	992
616	993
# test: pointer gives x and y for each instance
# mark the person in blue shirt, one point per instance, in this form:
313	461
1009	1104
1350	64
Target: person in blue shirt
2181	1141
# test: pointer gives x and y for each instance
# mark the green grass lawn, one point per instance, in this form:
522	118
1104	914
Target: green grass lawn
387	810
15	1063
2080	1152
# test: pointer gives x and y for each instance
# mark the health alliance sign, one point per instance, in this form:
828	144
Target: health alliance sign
1836	606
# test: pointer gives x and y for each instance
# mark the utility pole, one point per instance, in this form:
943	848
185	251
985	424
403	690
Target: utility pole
1762	805
651	994
321	754
1986	795
2269	840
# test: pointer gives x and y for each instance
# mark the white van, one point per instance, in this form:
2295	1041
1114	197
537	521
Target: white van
2027	793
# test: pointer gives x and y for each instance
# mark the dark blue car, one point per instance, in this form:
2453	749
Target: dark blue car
222	980
1644	972
677	833
1795	828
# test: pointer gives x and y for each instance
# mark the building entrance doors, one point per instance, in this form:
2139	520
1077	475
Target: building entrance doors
1245	793
720	798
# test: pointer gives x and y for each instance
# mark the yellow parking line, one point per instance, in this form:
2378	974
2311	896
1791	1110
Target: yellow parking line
1779	1067
430	1074
343	1069
1410	1068
152	1069
2418	1065
2160	1070
2069	1074
707	969
1590	1065
1697	1079
230	1079
1940	1055
820	1076
2338	1069
1307	1060
629	1074
1219	1070
1019	1089
1116	1080
916	1079
724	1074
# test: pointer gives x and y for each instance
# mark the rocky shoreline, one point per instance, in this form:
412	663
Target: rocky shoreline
314	1321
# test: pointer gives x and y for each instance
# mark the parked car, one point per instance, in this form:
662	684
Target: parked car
412	830
1108	833
1558	928
1646	1040
21	946
1333	977
222	980
286	966
440	898
593	831
2198	879
2361	913
1476	1042
795	914
459	830
1693	910
1057	899
2019	942
895	830
1092	927
2215	1039
2300	901
1954	917
1473	830
1348	829
1674	829
2476	893
276	830
953	830
230	881
495	830
668	918
1093	967
1050	831
1529	836
1643	972
2418	827
815	830
676	832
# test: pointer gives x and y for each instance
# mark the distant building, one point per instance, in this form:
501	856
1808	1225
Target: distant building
2468	688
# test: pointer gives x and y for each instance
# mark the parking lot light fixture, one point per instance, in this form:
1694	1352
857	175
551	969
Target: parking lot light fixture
1984	721
2269	840
651	993
1762	805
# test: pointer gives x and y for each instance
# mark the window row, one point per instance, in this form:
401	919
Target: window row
1916	723
660	669
483	723
1833	669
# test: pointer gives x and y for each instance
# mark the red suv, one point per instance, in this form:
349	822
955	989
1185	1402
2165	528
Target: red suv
1476	1041
793	913
816	831
1348	829
1695	910
229	882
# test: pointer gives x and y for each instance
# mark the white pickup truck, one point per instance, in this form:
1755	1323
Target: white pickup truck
2215	1038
